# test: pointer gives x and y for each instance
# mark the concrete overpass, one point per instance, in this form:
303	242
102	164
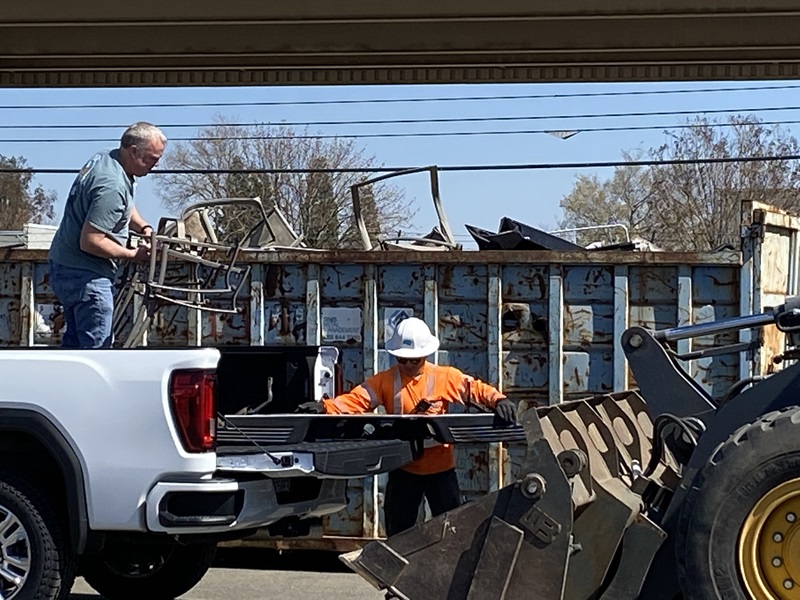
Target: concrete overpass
50	43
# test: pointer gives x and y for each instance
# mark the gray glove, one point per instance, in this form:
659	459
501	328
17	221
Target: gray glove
506	410
312	408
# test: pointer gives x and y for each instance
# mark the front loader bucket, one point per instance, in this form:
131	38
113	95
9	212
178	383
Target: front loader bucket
571	525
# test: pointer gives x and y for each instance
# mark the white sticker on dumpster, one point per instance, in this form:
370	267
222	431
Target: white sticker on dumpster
341	324
392	318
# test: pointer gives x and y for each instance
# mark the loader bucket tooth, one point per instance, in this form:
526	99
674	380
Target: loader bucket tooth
513	543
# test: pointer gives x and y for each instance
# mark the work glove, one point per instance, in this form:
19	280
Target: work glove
506	410
313	408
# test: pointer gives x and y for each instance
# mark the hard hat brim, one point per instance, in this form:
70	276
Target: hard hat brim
426	350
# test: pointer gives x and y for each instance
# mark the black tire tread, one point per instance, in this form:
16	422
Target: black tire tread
771	435
15	490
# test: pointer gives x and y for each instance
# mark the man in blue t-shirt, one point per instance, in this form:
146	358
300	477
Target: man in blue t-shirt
93	234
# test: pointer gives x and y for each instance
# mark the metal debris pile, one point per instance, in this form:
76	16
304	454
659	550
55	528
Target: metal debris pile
195	262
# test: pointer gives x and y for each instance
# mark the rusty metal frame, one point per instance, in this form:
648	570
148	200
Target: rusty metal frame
447	241
216	275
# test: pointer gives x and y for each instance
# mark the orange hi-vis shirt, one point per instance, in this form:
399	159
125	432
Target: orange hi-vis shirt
439	385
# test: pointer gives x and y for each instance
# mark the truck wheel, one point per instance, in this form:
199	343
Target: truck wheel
32	551
739	534
152	571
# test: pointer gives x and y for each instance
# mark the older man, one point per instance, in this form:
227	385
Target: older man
93	234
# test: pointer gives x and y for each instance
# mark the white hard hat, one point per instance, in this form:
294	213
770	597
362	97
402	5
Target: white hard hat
412	339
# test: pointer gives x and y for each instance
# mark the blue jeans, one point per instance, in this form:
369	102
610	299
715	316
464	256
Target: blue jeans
88	301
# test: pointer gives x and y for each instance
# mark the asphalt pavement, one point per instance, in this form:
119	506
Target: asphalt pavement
245	573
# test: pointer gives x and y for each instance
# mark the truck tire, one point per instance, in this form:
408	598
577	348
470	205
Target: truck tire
33	555
739	532
152	571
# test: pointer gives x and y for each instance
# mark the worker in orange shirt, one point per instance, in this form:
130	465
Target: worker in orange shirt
417	386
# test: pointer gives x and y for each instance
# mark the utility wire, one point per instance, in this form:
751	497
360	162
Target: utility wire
663	113
399	100
424	134
451	168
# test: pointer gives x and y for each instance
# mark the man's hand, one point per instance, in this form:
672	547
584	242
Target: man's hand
313	408
140	254
506	410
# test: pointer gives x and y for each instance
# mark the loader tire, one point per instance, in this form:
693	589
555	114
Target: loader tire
739	532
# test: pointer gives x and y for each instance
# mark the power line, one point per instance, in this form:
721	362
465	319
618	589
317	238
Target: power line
428	121
399	100
450	168
424	134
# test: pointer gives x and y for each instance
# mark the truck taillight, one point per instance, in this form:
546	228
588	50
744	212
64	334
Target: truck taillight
193	399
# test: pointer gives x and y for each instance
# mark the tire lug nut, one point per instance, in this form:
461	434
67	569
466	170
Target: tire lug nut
776	562
777	537
788	584
791	517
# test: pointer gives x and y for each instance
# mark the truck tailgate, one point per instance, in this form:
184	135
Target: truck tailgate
355	458
238	430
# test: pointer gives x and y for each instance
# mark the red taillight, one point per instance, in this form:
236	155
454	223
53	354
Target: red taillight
193	398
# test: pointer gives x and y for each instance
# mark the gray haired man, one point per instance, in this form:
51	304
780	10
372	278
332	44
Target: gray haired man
93	234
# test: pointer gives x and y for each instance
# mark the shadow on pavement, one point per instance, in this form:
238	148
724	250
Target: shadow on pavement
259	559
319	561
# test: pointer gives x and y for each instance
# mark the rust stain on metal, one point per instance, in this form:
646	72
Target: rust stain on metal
470	257
577	378
772	345
479	466
212	329
538	280
446	279
273	278
165	325
330	543
10	280
595	276
286	327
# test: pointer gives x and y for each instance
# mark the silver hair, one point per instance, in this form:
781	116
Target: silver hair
140	134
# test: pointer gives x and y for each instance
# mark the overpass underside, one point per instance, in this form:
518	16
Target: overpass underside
256	42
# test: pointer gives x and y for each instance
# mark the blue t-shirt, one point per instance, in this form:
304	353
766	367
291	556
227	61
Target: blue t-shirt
102	195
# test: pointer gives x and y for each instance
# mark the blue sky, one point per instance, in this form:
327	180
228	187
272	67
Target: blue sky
477	198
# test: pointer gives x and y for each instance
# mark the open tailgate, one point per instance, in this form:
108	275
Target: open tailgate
344	445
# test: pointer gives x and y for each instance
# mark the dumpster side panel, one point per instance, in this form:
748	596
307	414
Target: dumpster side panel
544	330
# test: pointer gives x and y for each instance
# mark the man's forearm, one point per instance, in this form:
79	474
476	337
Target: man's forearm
105	247
485	394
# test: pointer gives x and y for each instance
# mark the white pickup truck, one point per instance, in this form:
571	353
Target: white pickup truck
110	465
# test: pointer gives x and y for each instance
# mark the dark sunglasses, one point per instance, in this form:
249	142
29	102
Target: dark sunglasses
405	361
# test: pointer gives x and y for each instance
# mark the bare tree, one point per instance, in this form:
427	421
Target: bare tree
320	230
20	202
624	199
317	205
692	205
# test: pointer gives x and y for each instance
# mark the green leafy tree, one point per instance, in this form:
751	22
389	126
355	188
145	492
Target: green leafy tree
20	201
